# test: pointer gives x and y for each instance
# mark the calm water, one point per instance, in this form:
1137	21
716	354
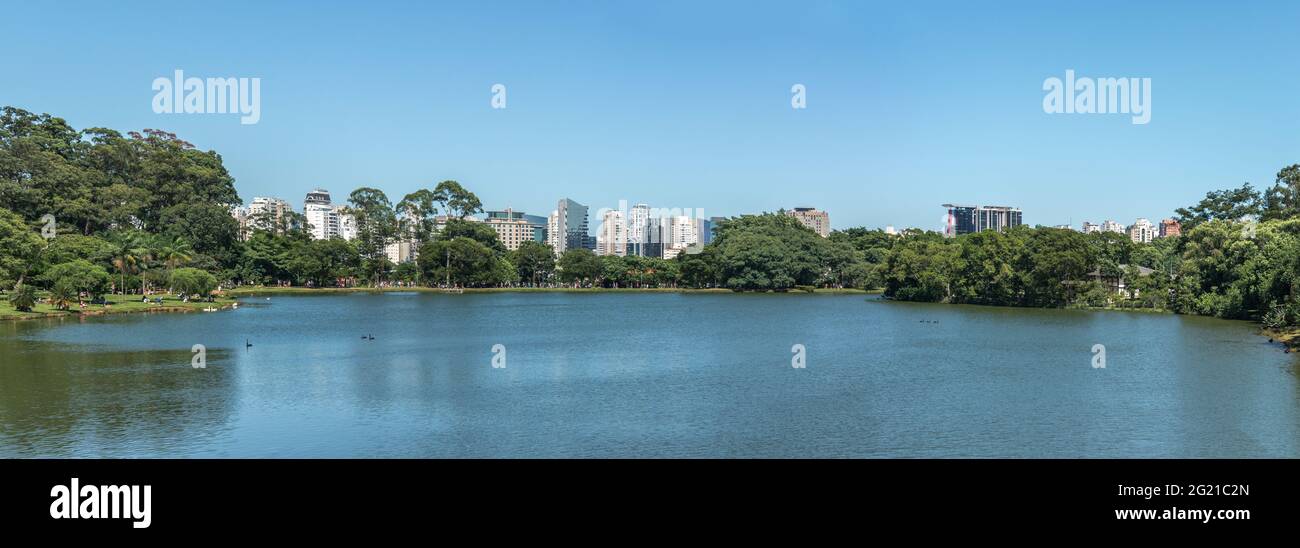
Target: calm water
617	375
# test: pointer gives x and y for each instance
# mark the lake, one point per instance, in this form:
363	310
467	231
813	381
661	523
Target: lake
642	375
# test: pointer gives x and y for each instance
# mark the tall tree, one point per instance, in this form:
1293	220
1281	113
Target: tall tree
458	201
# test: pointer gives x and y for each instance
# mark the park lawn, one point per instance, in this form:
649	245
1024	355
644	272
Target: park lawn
118	304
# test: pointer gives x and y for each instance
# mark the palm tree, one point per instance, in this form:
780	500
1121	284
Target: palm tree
61	295
127	254
173	253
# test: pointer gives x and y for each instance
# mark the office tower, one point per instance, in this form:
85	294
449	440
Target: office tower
570	221
967	219
638	230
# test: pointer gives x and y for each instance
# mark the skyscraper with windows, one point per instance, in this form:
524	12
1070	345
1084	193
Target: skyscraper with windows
611	237
514	227
322	216
266	213
569	221
1142	231
964	219
818	221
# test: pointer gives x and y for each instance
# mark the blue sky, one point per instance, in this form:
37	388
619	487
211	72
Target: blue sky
687	104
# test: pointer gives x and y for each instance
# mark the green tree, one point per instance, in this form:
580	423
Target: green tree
79	276
456	200
192	281
128	254
534	261
462	262
416	214
579	265
1230	205
19	247
376	227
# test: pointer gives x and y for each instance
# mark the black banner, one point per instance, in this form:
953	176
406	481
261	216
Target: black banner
326	497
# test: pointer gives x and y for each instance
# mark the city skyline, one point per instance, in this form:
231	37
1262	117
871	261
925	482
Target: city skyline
704	119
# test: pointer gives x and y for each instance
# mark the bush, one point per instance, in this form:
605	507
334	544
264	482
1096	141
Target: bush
192	281
23	298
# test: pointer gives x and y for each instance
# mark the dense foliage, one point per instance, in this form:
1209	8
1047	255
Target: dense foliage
143	211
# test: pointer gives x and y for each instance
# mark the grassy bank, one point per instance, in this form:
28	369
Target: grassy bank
118	304
249	291
1289	337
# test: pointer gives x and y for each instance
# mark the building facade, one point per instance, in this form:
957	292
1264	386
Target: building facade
818	221
964	219
266	213
1170	228
611	237
570	227
1142	231
321	215
514	227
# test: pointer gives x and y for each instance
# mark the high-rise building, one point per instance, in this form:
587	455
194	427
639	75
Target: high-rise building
682	232
401	251
1089	228
704	229
638	230
611	237
1112	226
570	227
514	227
818	221
266	213
240	214
347	226
967	219
1170	228
553	238
657	235
322	216
1142	231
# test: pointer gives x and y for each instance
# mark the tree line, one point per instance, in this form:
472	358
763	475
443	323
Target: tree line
147	211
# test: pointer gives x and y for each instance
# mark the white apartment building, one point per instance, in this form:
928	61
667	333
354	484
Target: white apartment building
241	216
321	215
400	252
1142	231
611	238
681	233
1112	226
266	213
554	237
347	226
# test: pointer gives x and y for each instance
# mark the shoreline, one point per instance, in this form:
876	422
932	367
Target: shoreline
248	291
123	306
1289	339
